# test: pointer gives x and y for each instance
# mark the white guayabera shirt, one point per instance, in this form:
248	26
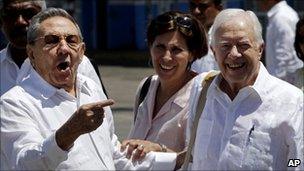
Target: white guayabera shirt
11	75
260	129
281	57
32	112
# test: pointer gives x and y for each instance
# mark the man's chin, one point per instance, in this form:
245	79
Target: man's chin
18	44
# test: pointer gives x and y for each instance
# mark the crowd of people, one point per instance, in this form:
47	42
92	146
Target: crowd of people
211	105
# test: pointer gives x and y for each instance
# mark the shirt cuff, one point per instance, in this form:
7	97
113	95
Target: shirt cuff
53	152
164	161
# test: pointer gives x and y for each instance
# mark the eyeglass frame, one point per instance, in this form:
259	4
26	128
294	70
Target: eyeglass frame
61	37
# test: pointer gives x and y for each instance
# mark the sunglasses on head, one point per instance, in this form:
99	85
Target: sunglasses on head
53	40
181	21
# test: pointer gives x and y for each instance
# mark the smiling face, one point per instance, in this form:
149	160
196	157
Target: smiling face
237	53
56	60
16	17
170	56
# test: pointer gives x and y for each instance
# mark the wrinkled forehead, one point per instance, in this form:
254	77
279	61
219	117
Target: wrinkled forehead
57	25
238	26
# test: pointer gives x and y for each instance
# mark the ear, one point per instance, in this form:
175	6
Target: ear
82	49
191	57
261	48
30	52
213	51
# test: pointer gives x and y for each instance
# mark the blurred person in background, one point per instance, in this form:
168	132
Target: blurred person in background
175	41
205	11
299	47
281	59
15	17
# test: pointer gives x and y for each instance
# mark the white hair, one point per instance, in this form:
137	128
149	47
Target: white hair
232	14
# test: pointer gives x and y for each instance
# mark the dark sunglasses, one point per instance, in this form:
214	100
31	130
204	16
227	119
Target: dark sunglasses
53	40
182	22
27	14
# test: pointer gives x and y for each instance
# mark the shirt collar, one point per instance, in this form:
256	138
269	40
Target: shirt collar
261	80
276	8
182	96
6	55
35	82
258	86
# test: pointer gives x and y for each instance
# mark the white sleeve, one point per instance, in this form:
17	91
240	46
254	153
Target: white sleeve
152	161
23	142
283	44
86	68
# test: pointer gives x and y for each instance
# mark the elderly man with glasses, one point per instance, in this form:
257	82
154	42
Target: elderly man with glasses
15	18
56	118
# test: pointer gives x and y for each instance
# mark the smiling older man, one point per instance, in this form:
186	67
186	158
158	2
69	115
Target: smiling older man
57	118
251	119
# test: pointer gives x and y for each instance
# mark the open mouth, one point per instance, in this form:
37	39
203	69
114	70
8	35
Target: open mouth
235	66
165	67
63	66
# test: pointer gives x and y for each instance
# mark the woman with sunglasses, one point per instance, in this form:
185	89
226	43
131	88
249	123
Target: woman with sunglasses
175	40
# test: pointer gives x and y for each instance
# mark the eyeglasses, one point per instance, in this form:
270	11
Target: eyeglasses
184	23
53	40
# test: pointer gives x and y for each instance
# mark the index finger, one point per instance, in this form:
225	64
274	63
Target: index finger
101	104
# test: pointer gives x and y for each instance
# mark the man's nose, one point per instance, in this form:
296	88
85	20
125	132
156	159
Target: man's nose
20	20
196	10
234	52
63	47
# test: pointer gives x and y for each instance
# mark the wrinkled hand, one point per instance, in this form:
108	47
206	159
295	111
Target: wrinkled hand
89	116
137	149
86	119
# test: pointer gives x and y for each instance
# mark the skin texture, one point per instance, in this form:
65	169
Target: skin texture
46	60
85	120
16	23
237	54
207	14
170	57
14	26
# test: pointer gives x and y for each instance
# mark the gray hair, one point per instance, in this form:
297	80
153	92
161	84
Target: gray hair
230	15
43	15
40	3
